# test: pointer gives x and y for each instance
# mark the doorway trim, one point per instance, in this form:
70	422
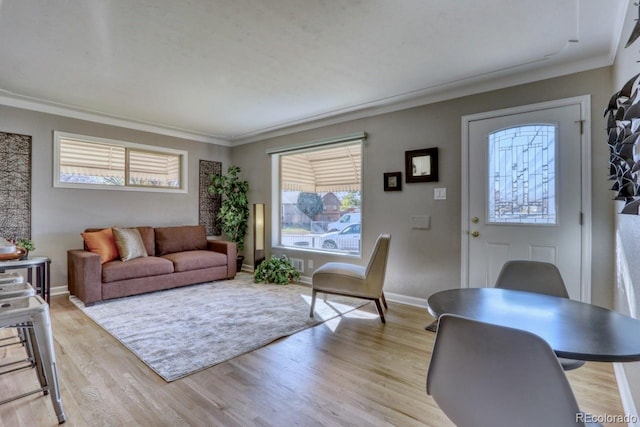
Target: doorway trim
585	147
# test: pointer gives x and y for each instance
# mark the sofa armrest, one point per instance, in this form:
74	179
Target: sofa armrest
228	248
84	275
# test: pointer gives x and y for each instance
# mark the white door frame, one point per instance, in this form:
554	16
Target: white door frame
585	110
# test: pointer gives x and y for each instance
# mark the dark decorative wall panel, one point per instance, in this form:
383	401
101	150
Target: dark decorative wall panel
15	186
209	204
623	130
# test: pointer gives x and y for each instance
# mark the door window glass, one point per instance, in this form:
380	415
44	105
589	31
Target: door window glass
522	175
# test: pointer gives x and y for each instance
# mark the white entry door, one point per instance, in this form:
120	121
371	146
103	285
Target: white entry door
525	194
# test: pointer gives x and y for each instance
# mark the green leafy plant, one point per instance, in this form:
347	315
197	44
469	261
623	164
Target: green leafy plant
233	216
277	270
26	243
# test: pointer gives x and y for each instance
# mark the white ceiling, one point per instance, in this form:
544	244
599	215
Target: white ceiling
233	71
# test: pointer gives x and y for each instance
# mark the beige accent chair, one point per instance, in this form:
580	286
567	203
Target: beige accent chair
476	377
538	277
351	280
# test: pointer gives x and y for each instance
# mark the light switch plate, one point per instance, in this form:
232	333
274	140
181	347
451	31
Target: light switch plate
440	194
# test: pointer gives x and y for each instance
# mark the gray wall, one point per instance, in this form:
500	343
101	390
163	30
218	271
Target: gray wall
58	215
423	262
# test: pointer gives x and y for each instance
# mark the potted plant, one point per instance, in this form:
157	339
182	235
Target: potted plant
27	244
233	216
277	270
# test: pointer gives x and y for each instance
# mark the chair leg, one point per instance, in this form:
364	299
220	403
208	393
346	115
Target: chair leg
380	312
384	301
44	341
313	302
37	360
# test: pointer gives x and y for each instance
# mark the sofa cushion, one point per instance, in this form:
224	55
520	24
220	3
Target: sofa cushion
102	243
129	243
139	267
149	239
179	239
195	260
146	232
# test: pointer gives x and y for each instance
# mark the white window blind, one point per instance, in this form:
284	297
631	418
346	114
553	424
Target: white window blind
328	169
90	162
316	184
159	169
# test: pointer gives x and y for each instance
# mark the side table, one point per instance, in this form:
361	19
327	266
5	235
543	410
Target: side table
42	265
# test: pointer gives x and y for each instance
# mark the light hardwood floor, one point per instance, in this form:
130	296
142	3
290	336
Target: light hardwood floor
353	371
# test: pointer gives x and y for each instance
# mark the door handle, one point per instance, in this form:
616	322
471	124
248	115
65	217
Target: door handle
475	233
475	219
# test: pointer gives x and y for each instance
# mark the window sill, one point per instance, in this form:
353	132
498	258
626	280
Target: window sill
317	252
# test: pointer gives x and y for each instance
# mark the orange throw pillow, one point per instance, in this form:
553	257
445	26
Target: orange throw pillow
102	243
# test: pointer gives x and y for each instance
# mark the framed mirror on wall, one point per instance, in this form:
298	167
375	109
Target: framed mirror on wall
421	165
393	181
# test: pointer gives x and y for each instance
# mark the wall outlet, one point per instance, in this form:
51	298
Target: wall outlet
422	222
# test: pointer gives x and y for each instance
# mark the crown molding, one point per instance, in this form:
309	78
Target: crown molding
42	106
533	71
619	26
536	71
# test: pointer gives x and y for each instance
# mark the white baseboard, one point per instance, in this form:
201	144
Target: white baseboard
305	280
625	284
406	300
628	404
402	299
59	290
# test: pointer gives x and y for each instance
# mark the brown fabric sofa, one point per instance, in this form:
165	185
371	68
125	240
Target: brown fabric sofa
177	256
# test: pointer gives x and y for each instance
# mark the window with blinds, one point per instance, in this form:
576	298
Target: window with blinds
319	187
90	162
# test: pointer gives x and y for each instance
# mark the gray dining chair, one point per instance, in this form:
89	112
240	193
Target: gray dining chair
476	377
352	280
539	277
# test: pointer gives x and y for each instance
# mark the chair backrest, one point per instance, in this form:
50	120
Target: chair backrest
532	276
377	265
478	378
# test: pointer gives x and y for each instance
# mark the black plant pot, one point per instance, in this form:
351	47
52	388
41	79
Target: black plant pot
239	262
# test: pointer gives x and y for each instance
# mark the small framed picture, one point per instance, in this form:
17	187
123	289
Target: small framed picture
421	165
393	181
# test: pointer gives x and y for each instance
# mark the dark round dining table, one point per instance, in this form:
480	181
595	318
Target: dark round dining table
573	329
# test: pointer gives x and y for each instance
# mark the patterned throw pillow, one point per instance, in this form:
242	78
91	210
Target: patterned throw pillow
129	243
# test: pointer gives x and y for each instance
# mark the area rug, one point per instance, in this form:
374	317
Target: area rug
181	331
